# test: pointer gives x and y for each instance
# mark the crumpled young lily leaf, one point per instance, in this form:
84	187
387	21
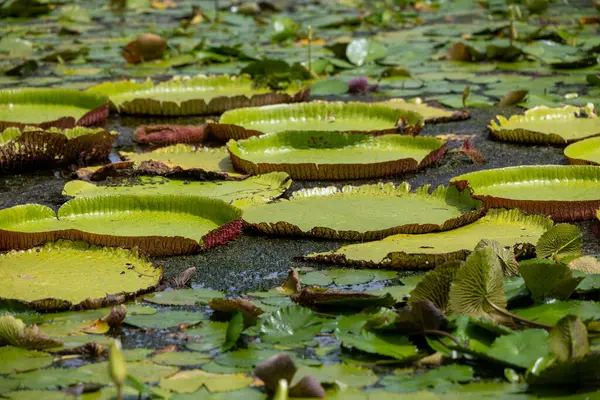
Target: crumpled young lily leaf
14	332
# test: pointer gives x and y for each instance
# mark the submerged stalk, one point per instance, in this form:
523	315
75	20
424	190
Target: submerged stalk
519	318
443	333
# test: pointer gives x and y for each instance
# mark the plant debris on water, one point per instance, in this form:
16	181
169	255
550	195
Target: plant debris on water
342	199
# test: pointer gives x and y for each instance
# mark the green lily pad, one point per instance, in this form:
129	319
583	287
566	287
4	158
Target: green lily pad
183	297
43	277
61	108
432	249
191	380
36	394
441	379
290	325
551	313
566	193
157	225
331	213
548	280
318	116
199	95
345	277
181	358
584	152
36	147
15	359
431	114
180	158
520	349
254	190
209	335
350	375
165	319
331	155
547	125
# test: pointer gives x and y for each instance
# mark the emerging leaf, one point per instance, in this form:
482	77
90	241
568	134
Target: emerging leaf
234	330
116	363
510	266
14	332
546	279
435	286
478	287
569	339
561	242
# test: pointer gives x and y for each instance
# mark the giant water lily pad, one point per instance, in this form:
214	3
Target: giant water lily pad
64	274
37	147
44	108
200	95
432	249
431	114
157	225
333	155
318	116
548	125
584	152
384	210
255	190
566	193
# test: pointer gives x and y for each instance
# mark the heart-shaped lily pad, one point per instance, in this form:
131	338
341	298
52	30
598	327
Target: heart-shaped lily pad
316	116
431	114
68	274
584	152
37	147
566	193
200	95
548	125
432	249
157	225
332	155
256	189
44	108
384	210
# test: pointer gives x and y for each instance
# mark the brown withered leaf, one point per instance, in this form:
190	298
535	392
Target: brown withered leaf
328	298
113	319
14	332
146	47
512	97
470	151
249	310
292	282
169	134
459	52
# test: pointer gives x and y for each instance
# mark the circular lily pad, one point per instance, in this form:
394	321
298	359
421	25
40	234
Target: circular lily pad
44	108
316	116
157	225
566	193
429	250
431	114
548	125
67	274
37	147
200	95
333	155
368	212
584	152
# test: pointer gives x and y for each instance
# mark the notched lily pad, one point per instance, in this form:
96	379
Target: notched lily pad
200	95
584	152
429	250
565	193
45	108
431	114
548	125
157	225
68	274
37	147
331	213
332	155
318	116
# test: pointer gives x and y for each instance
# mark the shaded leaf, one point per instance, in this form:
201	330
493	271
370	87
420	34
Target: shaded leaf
546	279
249	310
569	339
327	298
420	316
234	330
435	286
520	349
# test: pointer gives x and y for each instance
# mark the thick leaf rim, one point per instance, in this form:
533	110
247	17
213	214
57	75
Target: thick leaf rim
455	115
577	153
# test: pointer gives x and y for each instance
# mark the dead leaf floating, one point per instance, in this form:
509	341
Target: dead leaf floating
470	151
146	47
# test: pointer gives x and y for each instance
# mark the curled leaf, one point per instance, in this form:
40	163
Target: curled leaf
470	151
146	47
561	242
510	266
569	339
114	318
14	332
292	282
249	311
435	286
546	279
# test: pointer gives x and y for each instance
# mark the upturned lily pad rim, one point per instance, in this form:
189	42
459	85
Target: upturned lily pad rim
57	304
97	106
456	115
217	105
426	260
229	228
450	195
231	123
562	210
523	135
577	153
333	171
